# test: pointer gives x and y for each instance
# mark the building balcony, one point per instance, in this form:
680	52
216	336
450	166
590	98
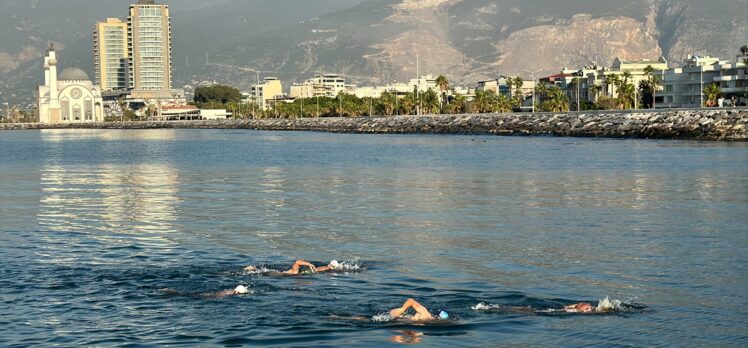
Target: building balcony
735	90
726	78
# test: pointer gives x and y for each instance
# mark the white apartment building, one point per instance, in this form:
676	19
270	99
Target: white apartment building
683	87
326	85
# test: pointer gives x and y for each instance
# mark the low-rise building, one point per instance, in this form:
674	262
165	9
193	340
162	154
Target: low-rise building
262	94
684	86
636	69
326	85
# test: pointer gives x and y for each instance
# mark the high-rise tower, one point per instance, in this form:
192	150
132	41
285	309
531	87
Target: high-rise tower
149	46
111	63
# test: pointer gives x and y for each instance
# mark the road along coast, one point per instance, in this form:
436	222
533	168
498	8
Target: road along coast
715	125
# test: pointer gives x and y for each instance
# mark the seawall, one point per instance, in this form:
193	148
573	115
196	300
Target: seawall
717	124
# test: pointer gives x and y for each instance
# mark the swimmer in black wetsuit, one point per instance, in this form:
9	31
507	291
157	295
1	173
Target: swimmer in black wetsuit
604	306
239	290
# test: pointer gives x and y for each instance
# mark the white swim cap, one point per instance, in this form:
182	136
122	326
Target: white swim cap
334	264
241	289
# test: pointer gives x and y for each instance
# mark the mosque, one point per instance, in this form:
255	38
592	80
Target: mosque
70	97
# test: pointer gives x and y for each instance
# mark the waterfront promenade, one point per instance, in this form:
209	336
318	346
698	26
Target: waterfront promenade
697	124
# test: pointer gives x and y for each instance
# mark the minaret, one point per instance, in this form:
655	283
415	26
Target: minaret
52	72
46	70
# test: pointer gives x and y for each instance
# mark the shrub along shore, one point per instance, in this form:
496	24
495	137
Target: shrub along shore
717	124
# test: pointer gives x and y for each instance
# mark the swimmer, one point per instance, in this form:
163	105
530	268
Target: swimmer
604	306
421	312
239	290
580	308
296	268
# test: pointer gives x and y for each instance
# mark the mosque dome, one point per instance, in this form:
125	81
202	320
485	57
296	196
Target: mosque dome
73	74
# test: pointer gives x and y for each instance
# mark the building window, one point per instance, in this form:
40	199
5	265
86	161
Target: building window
88	109
65	106
77	113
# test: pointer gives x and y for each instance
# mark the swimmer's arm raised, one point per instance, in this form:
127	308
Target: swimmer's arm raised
422	311
297	265
411	303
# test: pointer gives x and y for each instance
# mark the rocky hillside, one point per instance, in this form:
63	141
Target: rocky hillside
376	41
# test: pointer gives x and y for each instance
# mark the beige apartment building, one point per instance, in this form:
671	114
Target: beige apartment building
149	46
111	61
265	93
619	67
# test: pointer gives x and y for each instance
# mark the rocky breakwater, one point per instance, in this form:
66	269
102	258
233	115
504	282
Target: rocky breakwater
722	124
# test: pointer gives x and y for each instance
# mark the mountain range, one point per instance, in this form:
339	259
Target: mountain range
377	41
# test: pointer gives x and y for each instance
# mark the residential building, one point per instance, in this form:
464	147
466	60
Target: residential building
501	86
149	46
733	79
497	86
599	76
111	55
424	83
264	93
325	85
683	87
574	83
70	97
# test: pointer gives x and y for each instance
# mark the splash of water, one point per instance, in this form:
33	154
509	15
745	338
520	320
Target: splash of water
355	264
606	305
382	318
485	307
256	270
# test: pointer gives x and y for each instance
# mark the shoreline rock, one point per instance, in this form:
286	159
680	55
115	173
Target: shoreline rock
712	125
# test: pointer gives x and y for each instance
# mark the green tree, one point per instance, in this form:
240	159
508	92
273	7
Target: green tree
503	104
443	84
556	100
612	80
459	105
712	93
387	104
484	102
408	104
431	102
518	96
217	94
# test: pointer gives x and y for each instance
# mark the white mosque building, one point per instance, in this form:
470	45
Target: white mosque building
70	97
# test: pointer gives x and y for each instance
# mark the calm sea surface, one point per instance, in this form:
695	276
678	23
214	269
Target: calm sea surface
94	224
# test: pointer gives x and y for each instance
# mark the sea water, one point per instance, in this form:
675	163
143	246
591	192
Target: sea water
94	224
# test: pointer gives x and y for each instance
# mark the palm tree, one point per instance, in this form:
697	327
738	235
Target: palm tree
483	102
712	92
556	100
503	104
387	103
408	104
458	105
431	102
517	83
611	81
443	84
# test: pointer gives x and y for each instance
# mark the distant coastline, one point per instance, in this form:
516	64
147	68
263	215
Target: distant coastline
710	125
